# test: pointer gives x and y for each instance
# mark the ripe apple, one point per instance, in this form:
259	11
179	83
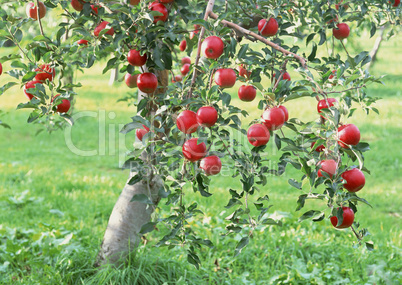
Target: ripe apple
341	32
140	133
268	28
147	82
135	58
95	8
45	72
183	45
345	6
243	72
285	111
325	104
82	42
131	80
207	116
64	106
332	75
348	134
225	77
185	69
32	12
212	47
194	151
78	5
177	78
187	122
258	135
396	3
355	180
155	6
102	26
274	118
211	165
1	68
319	148
329	166
165	1
135	2
185	60
348	218
28	85
247	93
197	29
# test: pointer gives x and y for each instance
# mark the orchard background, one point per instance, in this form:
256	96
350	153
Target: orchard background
56	202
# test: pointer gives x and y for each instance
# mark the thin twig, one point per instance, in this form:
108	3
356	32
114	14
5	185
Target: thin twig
345	48
281	75
353	88
208	10
40	22
260	38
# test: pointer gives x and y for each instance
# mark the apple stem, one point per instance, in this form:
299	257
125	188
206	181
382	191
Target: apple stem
40	22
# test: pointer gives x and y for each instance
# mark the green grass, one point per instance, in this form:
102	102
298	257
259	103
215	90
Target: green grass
55	204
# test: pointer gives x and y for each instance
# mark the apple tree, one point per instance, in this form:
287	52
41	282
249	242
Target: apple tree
184	57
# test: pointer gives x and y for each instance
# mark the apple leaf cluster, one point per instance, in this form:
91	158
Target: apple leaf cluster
148	40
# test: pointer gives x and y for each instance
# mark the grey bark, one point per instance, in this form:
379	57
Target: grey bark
376	47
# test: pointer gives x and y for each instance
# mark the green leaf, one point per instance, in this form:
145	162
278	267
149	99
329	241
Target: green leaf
301	201
148	227
242	51
370	245
295	184
7	86
241	244
309	214
142	198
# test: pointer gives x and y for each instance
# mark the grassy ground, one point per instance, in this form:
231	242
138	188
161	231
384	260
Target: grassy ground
55	204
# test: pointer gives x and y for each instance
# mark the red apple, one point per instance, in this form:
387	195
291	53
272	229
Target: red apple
348	134
341	32
95	9
211	165
258	135
64	106
185	69
212	47
274	118
140	133
155	6
82	42
332	75
348	218
187	122
285	111
32	11
45	72
243	72
225	77
325	104
207	116
102	26
268	28
78	5
28	85
165	1
319	148
355	180
194	151
147	82
177	78
329	166
135	2
131	80
1	69
285	76
396	3
135	58
183	45
247	93
185	60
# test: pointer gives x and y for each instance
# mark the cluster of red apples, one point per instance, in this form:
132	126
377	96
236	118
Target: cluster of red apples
347	135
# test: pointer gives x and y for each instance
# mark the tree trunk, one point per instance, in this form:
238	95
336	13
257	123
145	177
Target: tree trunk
122	234
376	47
114	76
123	231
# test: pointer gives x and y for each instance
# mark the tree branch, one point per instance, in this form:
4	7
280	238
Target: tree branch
208	10
259	38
